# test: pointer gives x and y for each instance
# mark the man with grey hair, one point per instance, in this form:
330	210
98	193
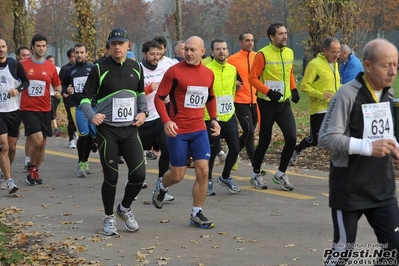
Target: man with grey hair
320	82
358	130
178	49
350	64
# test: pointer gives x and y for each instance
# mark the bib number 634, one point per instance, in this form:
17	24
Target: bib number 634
380	126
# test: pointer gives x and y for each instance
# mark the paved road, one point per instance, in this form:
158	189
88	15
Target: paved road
254	227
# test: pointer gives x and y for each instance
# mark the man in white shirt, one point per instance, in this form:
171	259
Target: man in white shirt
152	132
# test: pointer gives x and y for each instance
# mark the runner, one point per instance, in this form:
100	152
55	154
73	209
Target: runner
13	81
36	104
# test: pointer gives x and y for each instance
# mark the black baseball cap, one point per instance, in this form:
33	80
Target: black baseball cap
118	34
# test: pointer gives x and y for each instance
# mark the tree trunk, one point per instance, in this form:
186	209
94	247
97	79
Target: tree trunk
179	30
20	16
86	27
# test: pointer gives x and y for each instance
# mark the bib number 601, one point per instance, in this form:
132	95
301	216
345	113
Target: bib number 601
196	99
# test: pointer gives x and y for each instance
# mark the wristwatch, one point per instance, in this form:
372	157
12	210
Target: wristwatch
146	113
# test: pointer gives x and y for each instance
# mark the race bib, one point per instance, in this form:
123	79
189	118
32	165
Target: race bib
378	122
4	95
36	88
79	84
275	86
224	104
123	109
196	97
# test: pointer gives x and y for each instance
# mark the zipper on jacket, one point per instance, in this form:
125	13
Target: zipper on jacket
250	86
282	61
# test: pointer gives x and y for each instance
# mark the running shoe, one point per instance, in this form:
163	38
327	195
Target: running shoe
294	158
38	180
3	183
128	219
158	195
257	181
150	155
222	156
94	146
168	197
110	226
199	220
2	180
235	166
71	145
229	184
87	169
283	182
30	177
12	188
211	191
81	169
25	167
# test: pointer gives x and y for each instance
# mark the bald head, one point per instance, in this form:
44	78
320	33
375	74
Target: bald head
194	49
3	51
373	49
380	61
195	40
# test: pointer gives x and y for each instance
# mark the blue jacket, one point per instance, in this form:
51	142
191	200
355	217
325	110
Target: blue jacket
350	69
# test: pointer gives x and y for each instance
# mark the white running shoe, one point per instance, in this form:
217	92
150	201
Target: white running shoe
110	226
72	145
128	219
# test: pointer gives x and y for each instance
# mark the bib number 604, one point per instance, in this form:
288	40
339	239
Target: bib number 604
124	112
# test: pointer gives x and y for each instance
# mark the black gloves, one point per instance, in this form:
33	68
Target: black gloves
274	95
295	96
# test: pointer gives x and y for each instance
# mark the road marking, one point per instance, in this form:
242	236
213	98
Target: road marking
63	154
301	175
288	194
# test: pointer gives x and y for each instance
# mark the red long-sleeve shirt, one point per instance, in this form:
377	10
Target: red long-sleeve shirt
186	109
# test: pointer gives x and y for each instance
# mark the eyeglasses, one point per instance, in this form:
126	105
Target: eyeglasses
335	52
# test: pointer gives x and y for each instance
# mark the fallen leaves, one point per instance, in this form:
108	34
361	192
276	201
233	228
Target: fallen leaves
38	251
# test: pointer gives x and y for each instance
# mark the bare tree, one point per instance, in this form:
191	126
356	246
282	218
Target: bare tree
252	15
52	19
134	16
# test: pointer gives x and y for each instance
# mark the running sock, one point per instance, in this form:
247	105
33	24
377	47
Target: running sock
27	159
123	209
162	187
279	173
195	210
